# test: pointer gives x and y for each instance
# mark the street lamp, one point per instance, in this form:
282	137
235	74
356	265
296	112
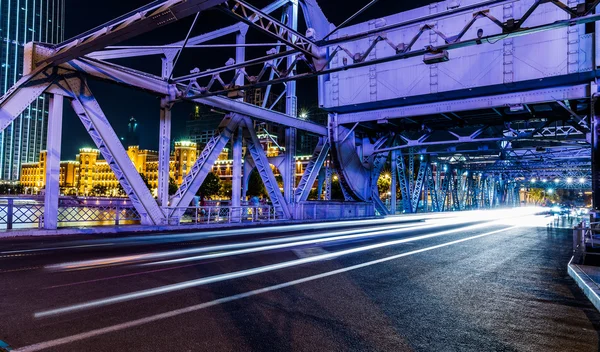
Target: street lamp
533	180
569	180
581	180
550	191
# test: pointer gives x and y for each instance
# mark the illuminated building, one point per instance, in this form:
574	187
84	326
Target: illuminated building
22	22
79	177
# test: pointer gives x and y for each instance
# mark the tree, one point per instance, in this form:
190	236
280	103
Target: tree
210	187
120	190
255	185
146	182
336	190
384	183
172	186
99	190
225	191
541	196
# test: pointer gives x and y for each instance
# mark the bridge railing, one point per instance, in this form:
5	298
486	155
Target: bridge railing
586	240
222	214
24	213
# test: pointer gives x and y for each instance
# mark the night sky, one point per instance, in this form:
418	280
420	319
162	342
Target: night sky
120	103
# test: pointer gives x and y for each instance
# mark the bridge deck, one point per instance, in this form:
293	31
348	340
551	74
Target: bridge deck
473	285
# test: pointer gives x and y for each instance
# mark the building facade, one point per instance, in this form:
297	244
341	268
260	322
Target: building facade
22	22
88	173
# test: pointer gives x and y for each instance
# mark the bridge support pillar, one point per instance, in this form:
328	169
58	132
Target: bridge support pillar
394	175
164	155
290	165
236	181
595	214
52	192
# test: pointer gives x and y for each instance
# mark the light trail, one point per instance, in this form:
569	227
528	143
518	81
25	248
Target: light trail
174	313
169	238
272	244
243	273
131	259
317	241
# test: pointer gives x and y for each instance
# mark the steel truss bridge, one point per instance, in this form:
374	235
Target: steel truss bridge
463	103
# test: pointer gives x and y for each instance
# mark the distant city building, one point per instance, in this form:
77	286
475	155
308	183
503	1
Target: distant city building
202	125
80	176
88	170
132	138
22	22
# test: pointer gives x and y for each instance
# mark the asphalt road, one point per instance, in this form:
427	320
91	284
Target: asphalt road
494	281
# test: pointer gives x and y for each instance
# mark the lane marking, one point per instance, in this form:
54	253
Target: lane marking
54	248
20	269
238	274
138	322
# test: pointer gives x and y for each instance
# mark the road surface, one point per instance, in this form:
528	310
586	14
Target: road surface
477	281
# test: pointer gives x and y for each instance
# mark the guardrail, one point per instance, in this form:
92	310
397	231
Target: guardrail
222	214
20	213
586	240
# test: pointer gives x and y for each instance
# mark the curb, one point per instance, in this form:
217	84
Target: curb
589	287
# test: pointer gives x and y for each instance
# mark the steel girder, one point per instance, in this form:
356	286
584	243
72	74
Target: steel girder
418	185
377	164
353	175
154	15
157	85
575	92
312	170
403	51
432	189
95	122
270	26
22	94
402	179
203	165
328	180
173	47
263	167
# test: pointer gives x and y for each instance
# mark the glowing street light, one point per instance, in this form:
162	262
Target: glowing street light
550	191
544	180
569	180
556	180
581	180
533	180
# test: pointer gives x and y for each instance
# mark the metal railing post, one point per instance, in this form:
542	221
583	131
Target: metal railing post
196	215
9	214
117	215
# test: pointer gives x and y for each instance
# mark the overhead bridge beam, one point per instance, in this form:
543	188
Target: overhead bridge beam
486	102
159	86
139	21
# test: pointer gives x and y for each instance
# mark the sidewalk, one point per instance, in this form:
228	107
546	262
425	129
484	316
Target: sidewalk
588	279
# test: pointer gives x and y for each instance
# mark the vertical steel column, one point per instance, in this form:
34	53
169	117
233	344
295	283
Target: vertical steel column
289	182
164	154
328	180
164	140
236	183
53	162
393	200
595	158
240	54
290	89
291	109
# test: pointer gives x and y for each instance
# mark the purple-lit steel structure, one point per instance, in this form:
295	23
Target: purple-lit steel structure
465	102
